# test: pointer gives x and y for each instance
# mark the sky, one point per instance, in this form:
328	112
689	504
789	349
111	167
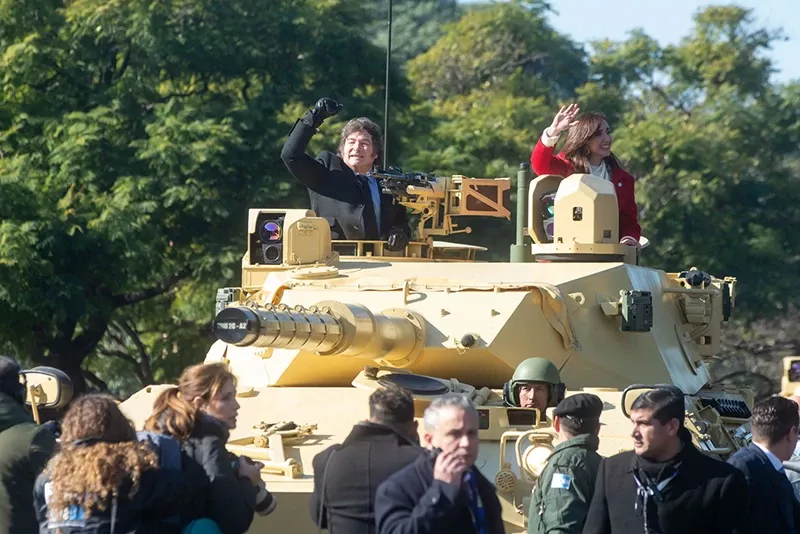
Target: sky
669	21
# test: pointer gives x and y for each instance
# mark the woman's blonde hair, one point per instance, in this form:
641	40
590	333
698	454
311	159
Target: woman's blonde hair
98	453
576	147
173	411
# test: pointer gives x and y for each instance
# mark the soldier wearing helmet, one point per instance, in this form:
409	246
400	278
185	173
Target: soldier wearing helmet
536	383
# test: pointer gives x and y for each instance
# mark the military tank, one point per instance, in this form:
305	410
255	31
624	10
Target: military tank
317	325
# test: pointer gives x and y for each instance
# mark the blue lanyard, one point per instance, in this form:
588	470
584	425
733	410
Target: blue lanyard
475	504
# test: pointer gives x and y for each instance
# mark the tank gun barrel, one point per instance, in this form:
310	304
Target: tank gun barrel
394	337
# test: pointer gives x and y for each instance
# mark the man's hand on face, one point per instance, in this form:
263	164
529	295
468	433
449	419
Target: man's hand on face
449	467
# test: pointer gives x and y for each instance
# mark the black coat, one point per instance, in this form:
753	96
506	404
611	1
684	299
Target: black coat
337	193
25	449
367	457
772	503
412	502
230	500
707	496
162	493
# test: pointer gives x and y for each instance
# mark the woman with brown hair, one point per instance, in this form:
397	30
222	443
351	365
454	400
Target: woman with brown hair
103	480
200	413
587	150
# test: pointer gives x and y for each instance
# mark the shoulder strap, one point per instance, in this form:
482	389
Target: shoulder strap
322	502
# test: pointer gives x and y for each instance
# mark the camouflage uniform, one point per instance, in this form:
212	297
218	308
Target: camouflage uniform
564	491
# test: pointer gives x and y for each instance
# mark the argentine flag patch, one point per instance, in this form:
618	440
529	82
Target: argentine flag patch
561	481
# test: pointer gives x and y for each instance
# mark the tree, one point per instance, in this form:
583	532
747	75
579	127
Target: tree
712	142
416	25
507	45
134	138
485	92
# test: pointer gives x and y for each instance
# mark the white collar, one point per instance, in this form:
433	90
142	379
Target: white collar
776	463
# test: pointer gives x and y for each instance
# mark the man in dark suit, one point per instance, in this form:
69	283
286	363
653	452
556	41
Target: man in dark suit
338	184
774	423
442	491
349	474
666	485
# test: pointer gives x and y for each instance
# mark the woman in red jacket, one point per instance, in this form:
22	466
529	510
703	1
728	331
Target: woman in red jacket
587	150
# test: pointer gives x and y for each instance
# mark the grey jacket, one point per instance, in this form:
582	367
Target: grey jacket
792	468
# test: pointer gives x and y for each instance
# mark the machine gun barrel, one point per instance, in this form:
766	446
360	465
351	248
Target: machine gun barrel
393	337
396	183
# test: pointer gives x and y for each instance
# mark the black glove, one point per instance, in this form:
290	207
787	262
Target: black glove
323	109
398	240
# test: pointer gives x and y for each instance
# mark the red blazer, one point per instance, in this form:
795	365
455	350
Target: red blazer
543	161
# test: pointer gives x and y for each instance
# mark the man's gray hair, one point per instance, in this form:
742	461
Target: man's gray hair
449	400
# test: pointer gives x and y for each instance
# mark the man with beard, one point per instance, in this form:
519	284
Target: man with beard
666	485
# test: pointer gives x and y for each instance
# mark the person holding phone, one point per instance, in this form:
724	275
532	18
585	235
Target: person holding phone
441	491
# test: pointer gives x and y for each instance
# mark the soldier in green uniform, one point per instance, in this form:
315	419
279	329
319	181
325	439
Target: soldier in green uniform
536	383
564	490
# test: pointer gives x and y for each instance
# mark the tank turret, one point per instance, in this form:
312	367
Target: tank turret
317	324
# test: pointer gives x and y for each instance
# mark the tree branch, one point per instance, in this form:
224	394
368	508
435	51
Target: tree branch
92	378
125	62
127	358
85	343
144	357
657	89
138	296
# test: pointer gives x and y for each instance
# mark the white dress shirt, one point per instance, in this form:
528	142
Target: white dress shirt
776	463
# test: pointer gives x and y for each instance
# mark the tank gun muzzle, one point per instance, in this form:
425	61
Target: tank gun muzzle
394	337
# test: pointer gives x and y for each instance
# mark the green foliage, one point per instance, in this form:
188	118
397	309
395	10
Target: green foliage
416	25
134	138
135	135
488	48
715	147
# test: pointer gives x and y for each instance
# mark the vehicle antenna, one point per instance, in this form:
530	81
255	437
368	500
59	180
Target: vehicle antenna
386	101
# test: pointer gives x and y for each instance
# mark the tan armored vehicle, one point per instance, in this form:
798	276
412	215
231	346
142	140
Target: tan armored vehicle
317	325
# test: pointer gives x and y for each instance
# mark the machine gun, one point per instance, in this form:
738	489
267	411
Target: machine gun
395	182
437	199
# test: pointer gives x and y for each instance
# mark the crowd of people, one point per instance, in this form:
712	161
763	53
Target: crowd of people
102	476
389	476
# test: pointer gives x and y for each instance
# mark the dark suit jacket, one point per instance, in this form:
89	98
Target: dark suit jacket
367	457
337	193
708	496
412	502
772	504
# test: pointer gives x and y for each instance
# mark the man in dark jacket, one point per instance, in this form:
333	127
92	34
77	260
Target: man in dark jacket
564	490
352	471
792	465
774	423
666	485
25	449
338	184
443	491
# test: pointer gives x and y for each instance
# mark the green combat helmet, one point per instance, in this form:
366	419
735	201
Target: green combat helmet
531	371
